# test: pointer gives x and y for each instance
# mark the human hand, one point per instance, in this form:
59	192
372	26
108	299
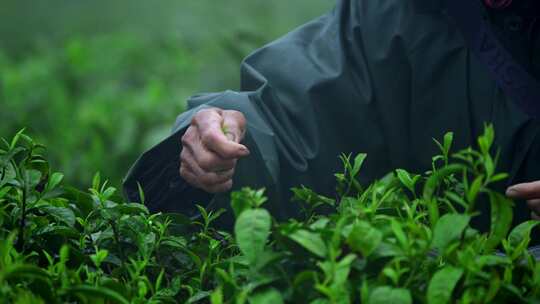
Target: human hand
529	192
211	148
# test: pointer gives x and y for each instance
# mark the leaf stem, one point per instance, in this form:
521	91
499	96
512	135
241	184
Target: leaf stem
20	239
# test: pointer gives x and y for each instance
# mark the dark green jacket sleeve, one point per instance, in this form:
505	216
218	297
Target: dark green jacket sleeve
379	77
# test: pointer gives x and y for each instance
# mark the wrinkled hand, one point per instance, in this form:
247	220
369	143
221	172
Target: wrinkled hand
529	192
211	148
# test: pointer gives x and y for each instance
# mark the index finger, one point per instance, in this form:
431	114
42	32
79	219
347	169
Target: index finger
524	191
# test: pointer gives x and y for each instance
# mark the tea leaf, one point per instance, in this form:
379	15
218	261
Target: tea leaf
252	229
99	257
311	241
54	180
399	233
239	203
522	233
474	189
387	294
268	296
501	219
93	292
407	180
448	229
61	214
434	180
442	285
27	271
217	296
200	295
96	181
358	161
364	238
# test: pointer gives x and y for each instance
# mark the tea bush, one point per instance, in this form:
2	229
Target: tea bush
406	238
103	95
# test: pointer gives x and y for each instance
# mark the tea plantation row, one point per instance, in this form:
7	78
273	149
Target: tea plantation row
404	239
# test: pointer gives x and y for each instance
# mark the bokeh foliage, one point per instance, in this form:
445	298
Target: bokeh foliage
101	81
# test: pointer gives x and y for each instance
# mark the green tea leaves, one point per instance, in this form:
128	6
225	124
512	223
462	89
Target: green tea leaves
252	229
377	243
269	296
61	214
310	241
486	140
364	238
245	199
387	294
448	229
406	179
54	181
442	285
519	238
501	219
93	293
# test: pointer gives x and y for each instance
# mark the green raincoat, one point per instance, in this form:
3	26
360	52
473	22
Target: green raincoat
379	77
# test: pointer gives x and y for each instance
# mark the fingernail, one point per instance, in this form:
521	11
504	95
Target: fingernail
245	150
512	191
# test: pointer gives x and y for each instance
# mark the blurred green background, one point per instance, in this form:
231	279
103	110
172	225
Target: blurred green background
99	82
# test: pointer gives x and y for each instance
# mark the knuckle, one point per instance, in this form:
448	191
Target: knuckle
182	171
226	175
209	136
203	114
183	156
187	138
534	204
224	187
230	174
207	162
241	120
228	185
238	117
208	179
199	117
227	164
